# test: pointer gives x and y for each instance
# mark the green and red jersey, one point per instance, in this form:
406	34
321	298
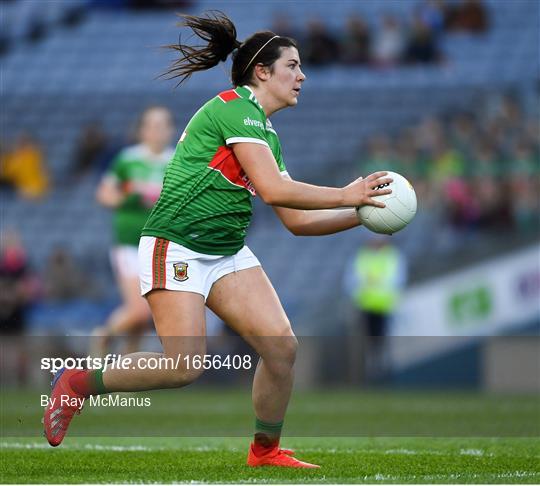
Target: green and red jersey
139	174
205	204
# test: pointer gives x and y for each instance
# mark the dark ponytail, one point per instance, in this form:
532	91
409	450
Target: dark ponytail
220	34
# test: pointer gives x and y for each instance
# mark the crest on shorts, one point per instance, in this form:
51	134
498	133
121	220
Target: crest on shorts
180	271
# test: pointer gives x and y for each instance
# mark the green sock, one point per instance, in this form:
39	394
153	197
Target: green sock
98	377
267	434
88	382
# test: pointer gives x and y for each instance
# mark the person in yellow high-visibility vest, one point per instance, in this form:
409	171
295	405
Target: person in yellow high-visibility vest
374	282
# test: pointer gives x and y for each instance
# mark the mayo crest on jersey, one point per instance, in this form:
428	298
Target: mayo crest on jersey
139	173
205	203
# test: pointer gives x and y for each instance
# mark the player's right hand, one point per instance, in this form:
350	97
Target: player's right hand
361	191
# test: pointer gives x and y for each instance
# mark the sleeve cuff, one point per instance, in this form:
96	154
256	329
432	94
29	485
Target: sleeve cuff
230	141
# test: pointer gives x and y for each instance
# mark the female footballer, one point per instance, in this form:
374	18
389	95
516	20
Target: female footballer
192	250
131	187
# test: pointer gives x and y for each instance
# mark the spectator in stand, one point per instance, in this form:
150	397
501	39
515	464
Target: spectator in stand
486	184
356	43
493	204
524	170
460	208
447	163
484	161
380	155
92	147
469	16
445	173
63	279
5	42
421	44
282	26
503	123
388	43
23	168
427	135
432	12
36	27
463	132
523	160
408	161
5	182
511	119
525	204
321	48
531	131
495	131
17	287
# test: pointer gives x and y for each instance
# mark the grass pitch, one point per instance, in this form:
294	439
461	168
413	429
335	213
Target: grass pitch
98	457
221	460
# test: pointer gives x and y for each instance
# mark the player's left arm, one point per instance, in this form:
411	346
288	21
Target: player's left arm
317	222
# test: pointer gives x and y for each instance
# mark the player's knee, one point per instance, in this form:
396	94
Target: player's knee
182	371
138	314
289	350
281	358
183	376
101	331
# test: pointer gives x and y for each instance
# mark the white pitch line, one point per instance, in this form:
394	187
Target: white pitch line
332	450
380	477
472	452
402	451
437	477
143	448
112	448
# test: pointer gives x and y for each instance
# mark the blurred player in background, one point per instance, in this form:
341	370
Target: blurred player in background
192	251
131	187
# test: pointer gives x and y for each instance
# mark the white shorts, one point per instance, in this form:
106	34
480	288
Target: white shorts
167	265
124	260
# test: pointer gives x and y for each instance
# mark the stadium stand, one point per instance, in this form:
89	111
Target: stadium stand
105	69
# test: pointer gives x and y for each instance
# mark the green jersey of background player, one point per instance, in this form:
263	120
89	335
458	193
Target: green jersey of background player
139	174
131	187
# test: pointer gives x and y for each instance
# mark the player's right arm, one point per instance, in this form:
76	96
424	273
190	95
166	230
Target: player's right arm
109	193
260	166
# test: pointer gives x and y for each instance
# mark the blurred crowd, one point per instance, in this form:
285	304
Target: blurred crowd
478	170
23	168
61	280
392	41
29	22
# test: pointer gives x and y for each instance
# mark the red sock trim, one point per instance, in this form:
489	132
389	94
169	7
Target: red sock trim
260	449
86	383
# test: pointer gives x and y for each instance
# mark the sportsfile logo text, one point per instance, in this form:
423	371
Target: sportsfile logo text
110	361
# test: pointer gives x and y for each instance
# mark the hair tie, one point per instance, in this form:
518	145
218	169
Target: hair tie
236	45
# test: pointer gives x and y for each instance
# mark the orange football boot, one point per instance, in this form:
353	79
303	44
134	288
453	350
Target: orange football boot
63	404
277	457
